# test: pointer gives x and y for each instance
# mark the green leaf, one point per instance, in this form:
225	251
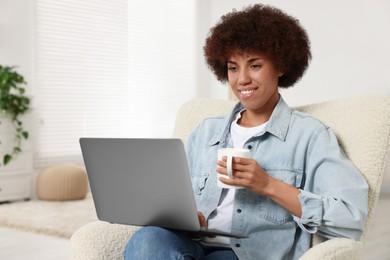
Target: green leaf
25	134
7	158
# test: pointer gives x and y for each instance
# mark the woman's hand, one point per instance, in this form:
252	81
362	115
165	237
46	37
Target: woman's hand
203	226
202	221
249	174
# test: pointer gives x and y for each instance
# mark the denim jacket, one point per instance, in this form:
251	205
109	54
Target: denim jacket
296	149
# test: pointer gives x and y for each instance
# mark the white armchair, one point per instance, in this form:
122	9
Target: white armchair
362	125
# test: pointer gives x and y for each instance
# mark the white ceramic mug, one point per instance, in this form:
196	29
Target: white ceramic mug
230	153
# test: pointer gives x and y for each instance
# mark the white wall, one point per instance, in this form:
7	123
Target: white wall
350	42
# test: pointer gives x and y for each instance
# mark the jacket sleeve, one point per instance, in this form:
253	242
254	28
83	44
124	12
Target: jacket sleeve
190	148
334	197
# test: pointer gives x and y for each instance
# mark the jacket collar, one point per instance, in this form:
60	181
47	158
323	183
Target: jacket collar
280	120
278	123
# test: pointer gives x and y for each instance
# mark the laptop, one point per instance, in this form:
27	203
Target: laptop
142	182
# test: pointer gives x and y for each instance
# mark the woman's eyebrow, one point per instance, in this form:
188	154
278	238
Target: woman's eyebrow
248	61
254	59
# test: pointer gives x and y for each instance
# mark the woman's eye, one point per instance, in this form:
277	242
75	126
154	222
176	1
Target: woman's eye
255	66
232	68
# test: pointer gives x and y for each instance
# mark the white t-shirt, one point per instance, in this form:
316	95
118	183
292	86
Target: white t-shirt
221	217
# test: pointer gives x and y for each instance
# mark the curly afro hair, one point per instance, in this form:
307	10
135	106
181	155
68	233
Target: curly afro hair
259	29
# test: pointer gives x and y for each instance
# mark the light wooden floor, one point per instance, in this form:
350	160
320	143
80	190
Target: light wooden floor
18	245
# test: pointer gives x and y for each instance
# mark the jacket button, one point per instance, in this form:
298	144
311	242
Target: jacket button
239	210
238	245
250	147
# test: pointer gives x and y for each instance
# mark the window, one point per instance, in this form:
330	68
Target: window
109	69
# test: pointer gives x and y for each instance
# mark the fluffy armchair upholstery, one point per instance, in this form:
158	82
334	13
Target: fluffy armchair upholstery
362	126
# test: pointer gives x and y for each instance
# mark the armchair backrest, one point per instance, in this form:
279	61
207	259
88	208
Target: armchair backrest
361	124
194	111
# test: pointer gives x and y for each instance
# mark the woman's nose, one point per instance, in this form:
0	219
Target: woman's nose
244	78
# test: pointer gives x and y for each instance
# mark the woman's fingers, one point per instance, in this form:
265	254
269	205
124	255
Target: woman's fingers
202	220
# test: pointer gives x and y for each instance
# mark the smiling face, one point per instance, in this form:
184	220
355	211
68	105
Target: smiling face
254	81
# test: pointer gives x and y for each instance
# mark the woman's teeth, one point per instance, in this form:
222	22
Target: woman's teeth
248	91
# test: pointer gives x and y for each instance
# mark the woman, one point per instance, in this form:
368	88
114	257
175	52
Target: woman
298	181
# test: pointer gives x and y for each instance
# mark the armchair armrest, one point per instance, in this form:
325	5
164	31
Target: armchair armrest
335	249
100	240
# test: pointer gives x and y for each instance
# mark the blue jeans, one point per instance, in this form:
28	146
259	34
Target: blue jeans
158	243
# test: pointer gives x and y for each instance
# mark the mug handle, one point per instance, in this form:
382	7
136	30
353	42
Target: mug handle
229	166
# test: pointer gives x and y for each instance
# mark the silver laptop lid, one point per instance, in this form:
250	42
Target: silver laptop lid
140	182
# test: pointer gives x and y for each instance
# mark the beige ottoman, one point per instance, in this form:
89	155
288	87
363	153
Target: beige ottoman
65	181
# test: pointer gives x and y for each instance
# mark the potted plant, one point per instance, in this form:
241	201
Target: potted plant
13	103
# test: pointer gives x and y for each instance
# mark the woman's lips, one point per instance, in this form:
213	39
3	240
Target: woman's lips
246	93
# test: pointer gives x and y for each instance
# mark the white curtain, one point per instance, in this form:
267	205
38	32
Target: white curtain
109	69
